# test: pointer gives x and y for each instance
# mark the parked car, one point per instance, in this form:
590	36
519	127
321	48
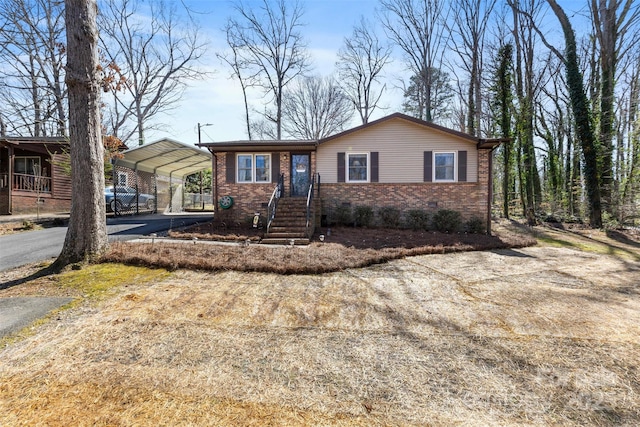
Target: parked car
124	198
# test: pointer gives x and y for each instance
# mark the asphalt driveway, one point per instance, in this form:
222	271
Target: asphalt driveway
19	312
40	245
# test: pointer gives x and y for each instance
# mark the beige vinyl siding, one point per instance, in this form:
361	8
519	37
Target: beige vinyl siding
401	145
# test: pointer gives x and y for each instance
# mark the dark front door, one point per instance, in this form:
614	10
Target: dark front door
300	174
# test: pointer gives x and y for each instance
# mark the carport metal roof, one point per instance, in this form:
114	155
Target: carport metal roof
166	157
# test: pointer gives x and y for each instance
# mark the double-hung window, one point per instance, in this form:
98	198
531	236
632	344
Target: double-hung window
444	167
357	167
254	168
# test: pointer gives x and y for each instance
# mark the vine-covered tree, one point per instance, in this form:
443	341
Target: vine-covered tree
503	110
582	117
614	22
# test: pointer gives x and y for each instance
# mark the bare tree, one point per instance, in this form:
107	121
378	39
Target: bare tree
87	233
418	28
32	50
360	64
239	71
470	21
156	56
315	108
271	47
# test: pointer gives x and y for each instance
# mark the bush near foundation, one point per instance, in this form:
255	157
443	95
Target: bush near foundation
363	216
389	217
417	219
475	225
447	221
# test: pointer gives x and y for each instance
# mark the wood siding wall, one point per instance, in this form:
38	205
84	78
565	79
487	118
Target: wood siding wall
400	145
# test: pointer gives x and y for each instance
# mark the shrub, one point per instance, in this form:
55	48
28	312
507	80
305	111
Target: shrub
447	220
28	225
363	216
342	215
475	225
389	217
417	219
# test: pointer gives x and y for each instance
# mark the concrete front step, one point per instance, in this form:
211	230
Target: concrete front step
294	224
286	235
287	229
284	241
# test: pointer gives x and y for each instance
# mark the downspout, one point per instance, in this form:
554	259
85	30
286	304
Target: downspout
214	182
490	191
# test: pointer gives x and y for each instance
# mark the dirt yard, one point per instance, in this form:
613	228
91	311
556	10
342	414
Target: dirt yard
536	336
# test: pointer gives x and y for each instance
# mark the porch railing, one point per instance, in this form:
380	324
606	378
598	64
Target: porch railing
4	180
33	183
315	178
273	202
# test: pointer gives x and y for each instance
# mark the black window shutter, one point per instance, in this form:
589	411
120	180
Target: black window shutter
374	166
428	166
462	166
341	172
275	167
231	168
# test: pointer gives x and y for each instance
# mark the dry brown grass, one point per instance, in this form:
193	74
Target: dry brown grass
535	336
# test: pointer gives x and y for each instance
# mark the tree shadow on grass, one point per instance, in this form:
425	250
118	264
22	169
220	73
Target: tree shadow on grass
46	271
622	238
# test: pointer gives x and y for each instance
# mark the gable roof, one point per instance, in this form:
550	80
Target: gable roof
275	145
417	121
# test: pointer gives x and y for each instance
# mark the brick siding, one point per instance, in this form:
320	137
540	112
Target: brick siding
468	198
25	203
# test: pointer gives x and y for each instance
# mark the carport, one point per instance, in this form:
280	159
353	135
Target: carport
162	161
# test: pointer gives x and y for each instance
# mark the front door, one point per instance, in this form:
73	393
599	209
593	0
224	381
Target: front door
300	174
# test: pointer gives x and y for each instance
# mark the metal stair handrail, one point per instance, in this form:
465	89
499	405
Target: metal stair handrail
273	202
309	200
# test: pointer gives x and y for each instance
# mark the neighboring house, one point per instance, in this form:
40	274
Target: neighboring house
397	161
32	178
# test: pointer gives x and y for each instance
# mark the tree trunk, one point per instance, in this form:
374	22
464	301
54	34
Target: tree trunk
582	117
87	233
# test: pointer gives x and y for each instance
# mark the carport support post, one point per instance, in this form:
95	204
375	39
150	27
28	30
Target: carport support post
155	191
137	191
170	192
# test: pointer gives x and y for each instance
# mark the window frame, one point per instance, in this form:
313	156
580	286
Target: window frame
454	166
253	168
347	177
119	176
15	161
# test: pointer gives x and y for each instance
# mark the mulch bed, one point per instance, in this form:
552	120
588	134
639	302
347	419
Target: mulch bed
352	237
